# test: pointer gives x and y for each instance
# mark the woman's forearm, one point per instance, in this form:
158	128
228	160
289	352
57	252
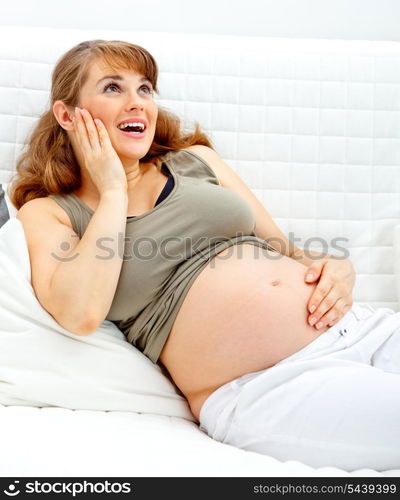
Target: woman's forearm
83	285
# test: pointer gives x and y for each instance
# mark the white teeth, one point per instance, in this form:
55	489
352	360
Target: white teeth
131	124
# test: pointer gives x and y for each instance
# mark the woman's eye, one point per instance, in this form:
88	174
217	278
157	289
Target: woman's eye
149	89
110	85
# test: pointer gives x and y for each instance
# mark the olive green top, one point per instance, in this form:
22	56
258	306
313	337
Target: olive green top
168	246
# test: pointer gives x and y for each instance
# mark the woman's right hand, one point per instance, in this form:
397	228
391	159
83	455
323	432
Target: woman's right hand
97	153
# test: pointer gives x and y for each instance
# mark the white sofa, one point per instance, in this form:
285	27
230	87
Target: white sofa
312	126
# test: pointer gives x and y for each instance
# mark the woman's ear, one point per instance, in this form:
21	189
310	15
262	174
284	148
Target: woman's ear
63	115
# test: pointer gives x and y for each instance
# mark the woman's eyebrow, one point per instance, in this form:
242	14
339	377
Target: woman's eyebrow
119	77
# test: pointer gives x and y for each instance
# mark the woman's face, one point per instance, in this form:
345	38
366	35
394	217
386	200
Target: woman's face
116	96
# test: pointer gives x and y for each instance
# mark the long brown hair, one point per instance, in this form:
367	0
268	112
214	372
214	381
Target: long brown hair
49	166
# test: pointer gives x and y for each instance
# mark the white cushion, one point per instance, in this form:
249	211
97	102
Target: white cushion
42	364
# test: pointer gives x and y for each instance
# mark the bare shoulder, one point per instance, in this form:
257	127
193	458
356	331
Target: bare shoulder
44	224
206	153
46	206
203	150
34	208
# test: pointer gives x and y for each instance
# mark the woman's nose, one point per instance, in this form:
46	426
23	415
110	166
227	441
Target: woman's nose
135	106
134	102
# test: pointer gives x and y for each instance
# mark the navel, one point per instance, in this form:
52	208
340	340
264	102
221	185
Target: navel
275	282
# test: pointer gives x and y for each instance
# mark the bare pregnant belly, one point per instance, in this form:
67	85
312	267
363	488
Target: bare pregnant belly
244	312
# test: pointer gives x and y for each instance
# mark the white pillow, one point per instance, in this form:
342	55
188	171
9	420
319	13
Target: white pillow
42	364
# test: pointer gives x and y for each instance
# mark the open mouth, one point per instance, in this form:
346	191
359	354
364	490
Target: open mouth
133	129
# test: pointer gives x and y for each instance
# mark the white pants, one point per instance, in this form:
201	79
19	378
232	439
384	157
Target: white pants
336	402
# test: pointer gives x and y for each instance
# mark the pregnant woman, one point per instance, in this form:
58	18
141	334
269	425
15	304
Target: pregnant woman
131	220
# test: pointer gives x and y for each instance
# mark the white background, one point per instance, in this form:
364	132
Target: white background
340	19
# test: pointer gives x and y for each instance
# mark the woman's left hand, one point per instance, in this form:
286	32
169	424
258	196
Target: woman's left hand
332	297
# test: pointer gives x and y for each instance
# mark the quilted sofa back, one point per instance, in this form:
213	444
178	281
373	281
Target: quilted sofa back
312	126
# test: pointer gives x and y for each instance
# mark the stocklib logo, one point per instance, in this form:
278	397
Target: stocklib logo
12	490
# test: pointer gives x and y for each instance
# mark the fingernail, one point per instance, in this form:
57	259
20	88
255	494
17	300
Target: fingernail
313	320
312	308
319	325
309	277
